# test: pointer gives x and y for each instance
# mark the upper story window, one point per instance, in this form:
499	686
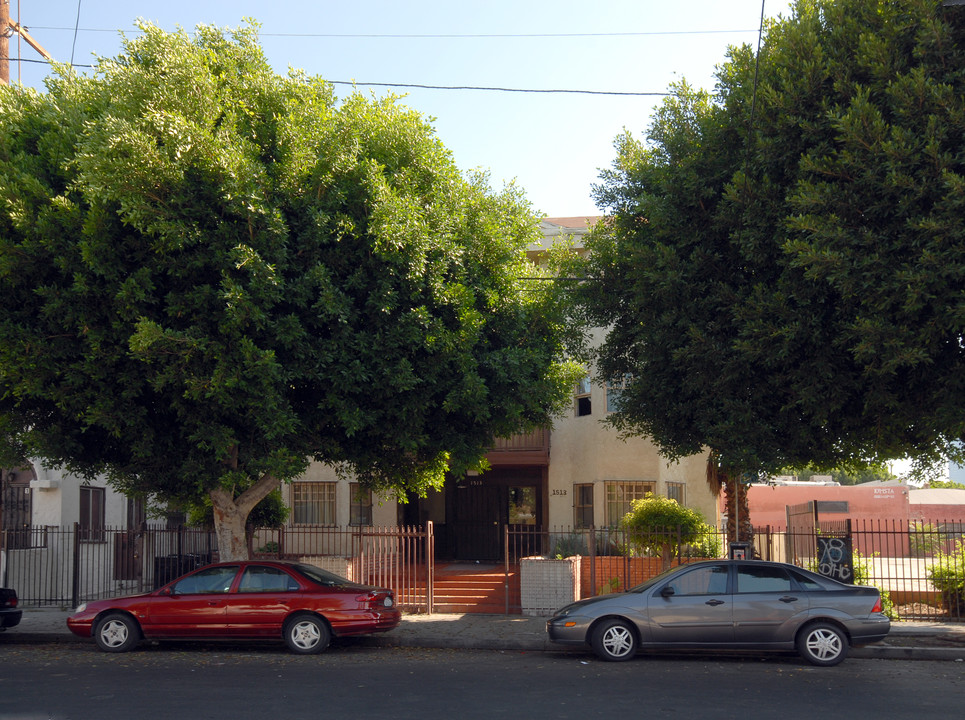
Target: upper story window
614	391
583	405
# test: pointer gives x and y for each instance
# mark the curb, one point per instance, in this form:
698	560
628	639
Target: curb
868	652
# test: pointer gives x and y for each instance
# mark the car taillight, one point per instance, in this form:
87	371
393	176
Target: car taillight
377	599
878	606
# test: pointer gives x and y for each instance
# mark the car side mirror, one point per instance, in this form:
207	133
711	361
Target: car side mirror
667	591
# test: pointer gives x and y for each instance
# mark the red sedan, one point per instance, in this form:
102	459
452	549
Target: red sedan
299	603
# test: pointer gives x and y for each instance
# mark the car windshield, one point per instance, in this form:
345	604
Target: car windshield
322	577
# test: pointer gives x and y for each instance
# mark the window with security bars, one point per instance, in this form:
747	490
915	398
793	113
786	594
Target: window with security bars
619	495
677	491
313	503
583	506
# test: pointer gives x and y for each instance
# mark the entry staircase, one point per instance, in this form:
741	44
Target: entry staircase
475	588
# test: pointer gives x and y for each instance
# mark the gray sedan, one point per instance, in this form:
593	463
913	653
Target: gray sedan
728	604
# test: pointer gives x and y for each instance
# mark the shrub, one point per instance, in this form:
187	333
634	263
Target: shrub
660	526
948	577
569	546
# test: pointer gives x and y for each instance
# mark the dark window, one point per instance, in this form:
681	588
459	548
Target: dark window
711	580
360	511
583	505
808	583
209	580
583	405
266	579
91	522
16	506
832	506
761	578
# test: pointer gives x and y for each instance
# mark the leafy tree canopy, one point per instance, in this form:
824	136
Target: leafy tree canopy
782	267
211	274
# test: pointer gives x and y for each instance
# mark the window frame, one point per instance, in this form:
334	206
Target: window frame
580	507
583	397
638	489
91	512
360	506
614	389
314	503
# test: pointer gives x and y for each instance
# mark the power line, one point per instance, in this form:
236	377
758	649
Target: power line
417	86
453	36
500	89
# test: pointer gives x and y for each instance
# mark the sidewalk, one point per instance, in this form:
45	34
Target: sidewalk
906	641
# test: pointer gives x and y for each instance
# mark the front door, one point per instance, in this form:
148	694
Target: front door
476	525
478	509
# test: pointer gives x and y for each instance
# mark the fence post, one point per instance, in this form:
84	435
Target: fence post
506	570
592	548
430	550
75	578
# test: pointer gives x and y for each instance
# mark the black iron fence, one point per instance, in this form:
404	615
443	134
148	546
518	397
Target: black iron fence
65	566
919	566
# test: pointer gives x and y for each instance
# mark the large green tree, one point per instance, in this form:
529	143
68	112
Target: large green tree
782	268
211	274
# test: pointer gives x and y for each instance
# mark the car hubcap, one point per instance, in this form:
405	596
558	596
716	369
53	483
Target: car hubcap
824	644
114	633
617	641
305	635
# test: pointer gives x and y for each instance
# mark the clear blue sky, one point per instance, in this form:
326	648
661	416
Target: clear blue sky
552	145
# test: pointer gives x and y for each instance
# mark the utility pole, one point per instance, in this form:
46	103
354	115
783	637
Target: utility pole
8	28
5	33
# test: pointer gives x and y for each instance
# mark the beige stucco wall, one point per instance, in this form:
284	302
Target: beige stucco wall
384	511
586	450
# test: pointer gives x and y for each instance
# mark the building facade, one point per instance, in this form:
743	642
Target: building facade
575	475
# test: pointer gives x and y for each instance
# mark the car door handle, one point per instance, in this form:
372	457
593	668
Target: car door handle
714	602
788	599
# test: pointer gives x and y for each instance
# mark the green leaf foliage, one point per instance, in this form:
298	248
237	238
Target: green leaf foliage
210	274
661	525
782	267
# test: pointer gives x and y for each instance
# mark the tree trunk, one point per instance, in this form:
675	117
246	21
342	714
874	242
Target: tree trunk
231	514
666	556
728	480
739	528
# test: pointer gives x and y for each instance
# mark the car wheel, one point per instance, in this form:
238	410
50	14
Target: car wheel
117	633
307	634
822	644
614	640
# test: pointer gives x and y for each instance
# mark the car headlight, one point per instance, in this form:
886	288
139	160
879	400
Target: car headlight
388	602
80	608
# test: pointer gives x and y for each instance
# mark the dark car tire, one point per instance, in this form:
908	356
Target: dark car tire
614	641
307	634
117	633
822	644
